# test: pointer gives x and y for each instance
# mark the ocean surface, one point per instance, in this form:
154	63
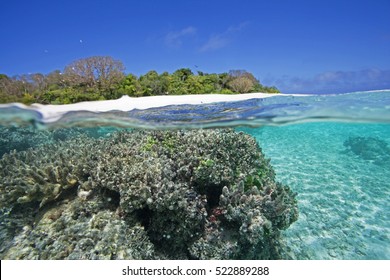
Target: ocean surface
332	150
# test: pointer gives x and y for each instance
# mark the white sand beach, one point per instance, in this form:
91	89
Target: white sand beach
52	113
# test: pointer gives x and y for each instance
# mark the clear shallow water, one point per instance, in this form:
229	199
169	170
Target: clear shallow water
343	199
339	165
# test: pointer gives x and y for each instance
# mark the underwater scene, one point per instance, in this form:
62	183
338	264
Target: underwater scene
282	177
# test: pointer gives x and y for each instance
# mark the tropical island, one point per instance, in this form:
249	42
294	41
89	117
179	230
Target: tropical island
103	78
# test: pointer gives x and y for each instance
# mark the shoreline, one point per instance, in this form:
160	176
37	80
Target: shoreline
283	108
52	113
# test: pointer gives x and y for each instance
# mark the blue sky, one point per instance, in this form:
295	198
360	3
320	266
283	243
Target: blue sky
299	46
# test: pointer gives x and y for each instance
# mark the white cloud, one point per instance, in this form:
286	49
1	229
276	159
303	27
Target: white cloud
336	82
237	28
221	40
174	39
214	42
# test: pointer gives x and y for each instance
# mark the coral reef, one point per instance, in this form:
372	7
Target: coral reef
198	194
247	223
80	230
22	138
44	174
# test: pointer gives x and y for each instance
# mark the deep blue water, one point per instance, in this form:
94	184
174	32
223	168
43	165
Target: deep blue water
333	150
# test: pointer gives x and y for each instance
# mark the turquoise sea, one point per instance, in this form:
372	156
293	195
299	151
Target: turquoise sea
343	197
332	151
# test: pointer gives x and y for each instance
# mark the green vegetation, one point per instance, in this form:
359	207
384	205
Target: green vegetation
103	78
150	143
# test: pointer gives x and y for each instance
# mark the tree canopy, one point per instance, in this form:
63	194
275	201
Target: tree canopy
102	77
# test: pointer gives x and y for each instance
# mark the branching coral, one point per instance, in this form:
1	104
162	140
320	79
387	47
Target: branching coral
43	174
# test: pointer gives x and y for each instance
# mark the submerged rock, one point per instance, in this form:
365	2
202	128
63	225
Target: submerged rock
371	149
198	194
